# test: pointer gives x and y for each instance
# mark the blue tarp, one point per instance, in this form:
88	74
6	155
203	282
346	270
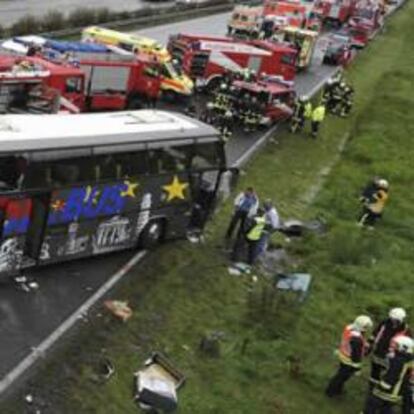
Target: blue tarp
65	46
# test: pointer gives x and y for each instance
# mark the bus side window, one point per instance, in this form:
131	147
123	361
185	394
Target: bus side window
11	171
105	168
169	159
131	164
72	171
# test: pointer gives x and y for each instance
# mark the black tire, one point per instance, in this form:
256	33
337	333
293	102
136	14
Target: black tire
152	235
135	103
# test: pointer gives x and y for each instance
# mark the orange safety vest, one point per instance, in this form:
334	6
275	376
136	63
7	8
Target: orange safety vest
344	352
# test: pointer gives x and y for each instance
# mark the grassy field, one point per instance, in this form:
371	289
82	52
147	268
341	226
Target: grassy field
187	292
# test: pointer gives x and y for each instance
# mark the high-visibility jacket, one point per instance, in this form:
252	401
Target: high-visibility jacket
353	347
318	114
377	202
308	110
397	379
255	233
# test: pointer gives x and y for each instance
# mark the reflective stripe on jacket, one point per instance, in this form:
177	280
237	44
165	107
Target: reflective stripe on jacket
256	231
397	379
345	352
318	114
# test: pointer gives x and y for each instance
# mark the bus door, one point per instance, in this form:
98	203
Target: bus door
36	226
22	221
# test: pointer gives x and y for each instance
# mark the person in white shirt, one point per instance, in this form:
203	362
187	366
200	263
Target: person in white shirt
273	223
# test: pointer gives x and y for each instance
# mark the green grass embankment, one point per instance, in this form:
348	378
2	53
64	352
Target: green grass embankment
187	291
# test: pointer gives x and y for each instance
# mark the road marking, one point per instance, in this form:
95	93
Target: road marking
39	351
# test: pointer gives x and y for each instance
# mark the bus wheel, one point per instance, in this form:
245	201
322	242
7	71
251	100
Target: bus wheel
152	234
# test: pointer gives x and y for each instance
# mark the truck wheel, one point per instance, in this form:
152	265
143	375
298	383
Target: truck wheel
152	235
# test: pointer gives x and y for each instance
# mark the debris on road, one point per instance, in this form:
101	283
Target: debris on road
119	309
25	284
156	385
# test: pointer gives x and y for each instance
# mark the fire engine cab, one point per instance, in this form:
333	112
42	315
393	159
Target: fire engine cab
37	86
365	20
207	58
89	86
334	12
275	97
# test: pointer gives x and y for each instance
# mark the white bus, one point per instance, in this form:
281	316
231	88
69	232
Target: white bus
74	186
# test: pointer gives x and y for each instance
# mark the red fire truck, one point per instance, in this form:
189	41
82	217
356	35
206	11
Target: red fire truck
291	12
335	12
275	97
364	22
35	84
207	58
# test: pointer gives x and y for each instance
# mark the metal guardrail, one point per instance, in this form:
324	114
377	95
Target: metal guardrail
161	15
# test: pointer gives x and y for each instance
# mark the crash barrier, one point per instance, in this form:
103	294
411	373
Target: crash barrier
141	18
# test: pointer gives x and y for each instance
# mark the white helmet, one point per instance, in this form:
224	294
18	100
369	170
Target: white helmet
382	183
399	314
404	344
362	323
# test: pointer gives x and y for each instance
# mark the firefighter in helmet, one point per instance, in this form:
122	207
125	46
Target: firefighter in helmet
396	382
301	106
352	350
383	339
373	204
347	101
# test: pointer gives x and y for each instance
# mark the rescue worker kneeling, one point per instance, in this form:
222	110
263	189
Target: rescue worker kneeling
396	382
352	350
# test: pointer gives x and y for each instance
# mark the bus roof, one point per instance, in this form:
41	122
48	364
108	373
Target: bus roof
30	133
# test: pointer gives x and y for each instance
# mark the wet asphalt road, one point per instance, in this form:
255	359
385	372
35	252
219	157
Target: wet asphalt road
27	318
13	10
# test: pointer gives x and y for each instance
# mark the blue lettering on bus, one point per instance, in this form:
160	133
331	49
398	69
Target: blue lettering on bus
16	226
87	203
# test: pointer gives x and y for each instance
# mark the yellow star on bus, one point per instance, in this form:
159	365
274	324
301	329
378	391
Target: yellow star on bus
130	189
175	189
